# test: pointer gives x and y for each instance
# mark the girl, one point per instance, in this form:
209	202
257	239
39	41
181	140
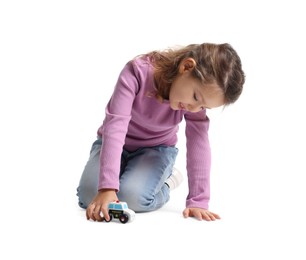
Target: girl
133	156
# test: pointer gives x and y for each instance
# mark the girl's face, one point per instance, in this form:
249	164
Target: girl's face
188	93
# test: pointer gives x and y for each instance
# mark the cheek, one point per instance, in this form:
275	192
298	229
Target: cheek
173	100
172	94
175	93
179	92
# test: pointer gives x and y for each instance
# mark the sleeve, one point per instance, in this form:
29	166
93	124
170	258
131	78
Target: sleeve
115	125
198	159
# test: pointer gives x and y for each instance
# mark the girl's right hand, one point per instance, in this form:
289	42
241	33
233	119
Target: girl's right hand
100	205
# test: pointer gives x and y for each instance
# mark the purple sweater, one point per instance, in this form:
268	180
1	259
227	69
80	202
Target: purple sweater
135	118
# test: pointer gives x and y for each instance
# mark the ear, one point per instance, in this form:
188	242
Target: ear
187	64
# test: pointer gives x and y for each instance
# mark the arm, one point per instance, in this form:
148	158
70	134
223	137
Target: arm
114	128
113	132
198	166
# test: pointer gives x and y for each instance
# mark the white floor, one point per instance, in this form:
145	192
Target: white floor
59	62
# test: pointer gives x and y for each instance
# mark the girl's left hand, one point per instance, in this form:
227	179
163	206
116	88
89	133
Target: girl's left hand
200	214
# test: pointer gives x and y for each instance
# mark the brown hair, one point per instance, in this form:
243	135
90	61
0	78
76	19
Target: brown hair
215	63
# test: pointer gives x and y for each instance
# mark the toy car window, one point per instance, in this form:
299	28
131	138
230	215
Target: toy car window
117	206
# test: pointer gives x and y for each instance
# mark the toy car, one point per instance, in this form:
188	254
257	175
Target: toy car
119	210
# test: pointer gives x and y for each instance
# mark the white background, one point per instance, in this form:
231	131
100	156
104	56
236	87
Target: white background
59	61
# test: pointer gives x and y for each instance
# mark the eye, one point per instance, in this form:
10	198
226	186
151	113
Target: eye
195	97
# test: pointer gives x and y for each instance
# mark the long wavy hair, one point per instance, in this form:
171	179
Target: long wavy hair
215	63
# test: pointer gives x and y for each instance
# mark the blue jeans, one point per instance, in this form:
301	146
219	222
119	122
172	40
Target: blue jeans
142	177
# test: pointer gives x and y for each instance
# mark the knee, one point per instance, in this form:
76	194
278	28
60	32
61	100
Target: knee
135	202
141	200
85	193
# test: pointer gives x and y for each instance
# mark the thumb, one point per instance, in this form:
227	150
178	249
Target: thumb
186	213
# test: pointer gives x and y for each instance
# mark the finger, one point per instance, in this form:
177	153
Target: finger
186	213
206	216
197	215
89	210
97	214
105	214
211	216
216	216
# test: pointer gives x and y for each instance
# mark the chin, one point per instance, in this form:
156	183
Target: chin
173	106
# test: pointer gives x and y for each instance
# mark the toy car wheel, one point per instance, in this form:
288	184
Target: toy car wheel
124	218
110	218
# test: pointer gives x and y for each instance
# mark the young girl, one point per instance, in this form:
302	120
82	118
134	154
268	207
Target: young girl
133	157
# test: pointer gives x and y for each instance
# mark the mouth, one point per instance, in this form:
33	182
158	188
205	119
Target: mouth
181	106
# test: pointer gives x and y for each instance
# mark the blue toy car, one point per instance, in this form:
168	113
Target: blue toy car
119	210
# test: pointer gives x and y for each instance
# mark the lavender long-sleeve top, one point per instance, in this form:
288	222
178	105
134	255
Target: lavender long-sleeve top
135	118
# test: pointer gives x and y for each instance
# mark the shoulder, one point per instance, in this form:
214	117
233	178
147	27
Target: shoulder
137	74
138	67
142	61
141	69
141	65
